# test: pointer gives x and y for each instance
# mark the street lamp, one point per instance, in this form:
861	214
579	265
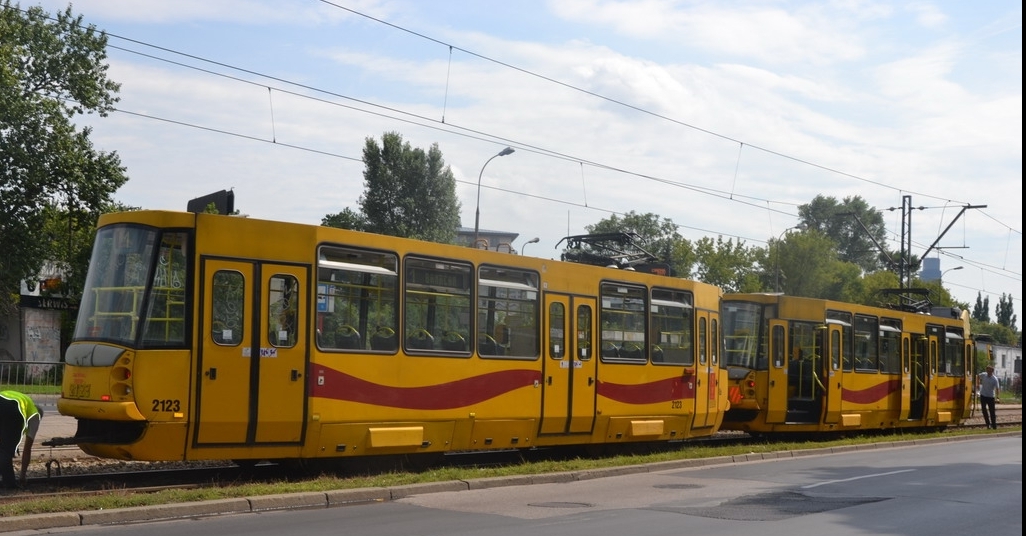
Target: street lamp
776	257
477	211
950	269
531	241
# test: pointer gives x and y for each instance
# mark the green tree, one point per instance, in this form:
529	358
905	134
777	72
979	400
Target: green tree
840	221
1005	312
804	263
872	285
407	192
50	72
846	282
656	235
981	311
347	219
726	264
1001	334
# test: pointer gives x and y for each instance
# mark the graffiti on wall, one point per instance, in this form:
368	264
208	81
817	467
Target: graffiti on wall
42	339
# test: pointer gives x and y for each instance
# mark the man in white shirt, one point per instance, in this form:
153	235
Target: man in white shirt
990	390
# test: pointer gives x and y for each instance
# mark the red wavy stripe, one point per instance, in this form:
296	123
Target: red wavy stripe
871	394
648	393
947	394
456	394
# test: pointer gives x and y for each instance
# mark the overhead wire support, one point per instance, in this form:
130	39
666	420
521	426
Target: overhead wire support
904	264
946	229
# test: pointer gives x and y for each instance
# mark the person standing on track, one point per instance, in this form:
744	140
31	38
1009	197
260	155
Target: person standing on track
19	417
990	390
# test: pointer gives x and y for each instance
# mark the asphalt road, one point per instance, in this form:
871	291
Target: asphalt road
967	486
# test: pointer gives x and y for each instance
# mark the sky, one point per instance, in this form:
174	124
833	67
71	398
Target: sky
722	116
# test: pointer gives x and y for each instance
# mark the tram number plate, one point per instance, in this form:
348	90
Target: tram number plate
79	390
167	405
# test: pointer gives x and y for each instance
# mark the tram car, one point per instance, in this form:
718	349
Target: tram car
806	365
214	337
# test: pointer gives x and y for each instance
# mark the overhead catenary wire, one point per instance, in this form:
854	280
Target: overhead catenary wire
489	137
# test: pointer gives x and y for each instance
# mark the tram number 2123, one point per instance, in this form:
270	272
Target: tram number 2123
167	405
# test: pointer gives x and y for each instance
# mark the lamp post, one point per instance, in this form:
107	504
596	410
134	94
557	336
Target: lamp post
531	241
477	211
776	256
950	269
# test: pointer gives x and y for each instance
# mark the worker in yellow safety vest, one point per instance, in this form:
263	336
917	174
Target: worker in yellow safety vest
19	417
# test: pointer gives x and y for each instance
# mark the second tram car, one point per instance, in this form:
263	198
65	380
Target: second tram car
809	365
206	336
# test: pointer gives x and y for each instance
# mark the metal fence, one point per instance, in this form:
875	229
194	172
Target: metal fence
41	381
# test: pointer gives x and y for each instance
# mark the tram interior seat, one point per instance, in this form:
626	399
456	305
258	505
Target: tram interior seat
454	342
347	338
487	345
632	351
610	349
420	340
384	339
865	364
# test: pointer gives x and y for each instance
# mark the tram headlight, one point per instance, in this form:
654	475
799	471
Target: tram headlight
121	389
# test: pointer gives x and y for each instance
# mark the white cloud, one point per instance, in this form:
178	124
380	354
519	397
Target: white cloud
772	103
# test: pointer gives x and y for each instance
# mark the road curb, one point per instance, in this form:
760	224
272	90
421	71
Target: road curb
348	497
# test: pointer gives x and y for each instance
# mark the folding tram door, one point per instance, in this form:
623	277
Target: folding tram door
569	368
251	387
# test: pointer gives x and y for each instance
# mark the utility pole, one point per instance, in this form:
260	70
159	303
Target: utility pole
904	264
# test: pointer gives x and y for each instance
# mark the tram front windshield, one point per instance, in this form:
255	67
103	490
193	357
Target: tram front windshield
743	335
135	291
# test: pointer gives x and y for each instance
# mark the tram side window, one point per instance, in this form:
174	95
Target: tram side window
954	353
778	347
282	310
356	300
671	327
623	322
714	347
890	345
437	303
507	312
584	320
228	308
866	346
847	337
557	331
934	333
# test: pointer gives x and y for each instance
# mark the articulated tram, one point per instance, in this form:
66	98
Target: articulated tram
808	365
205	337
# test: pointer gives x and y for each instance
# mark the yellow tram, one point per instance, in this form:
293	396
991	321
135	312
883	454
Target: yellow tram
809	365
204	337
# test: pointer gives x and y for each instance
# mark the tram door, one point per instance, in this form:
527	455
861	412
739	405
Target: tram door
252	361
832	372
777	386
935	338
569	370
706	388
916	376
